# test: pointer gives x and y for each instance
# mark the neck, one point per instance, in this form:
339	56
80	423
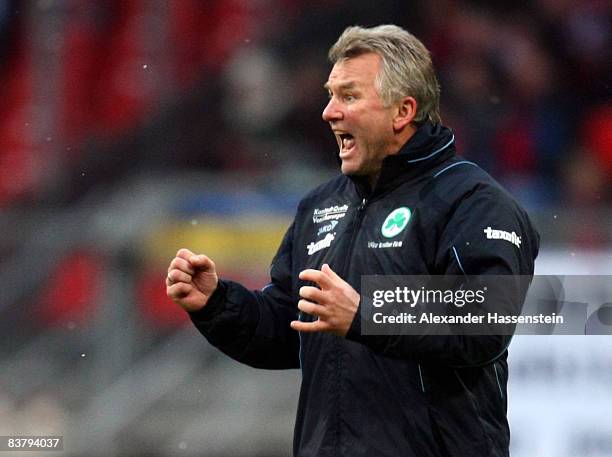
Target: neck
400	138
373	179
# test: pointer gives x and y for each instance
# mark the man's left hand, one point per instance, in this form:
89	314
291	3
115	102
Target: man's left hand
334	303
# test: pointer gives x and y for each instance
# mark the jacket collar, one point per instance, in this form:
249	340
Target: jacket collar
430	145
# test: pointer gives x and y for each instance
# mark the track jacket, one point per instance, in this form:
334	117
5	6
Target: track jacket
387	396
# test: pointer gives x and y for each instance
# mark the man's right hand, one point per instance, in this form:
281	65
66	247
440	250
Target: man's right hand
191	280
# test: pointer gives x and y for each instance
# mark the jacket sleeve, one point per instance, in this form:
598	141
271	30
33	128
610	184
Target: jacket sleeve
252	327
464	249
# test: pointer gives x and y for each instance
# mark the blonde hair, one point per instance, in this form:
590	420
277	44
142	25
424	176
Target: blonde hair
406	65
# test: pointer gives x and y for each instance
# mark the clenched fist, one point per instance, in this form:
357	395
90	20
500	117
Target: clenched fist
191	280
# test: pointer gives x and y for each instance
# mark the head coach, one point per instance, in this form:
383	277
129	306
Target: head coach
402	181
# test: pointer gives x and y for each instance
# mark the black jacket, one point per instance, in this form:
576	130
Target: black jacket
387	395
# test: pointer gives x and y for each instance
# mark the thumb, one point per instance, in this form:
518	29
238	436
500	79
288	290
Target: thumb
201	262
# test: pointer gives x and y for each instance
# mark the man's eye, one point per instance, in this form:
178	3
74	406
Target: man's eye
350	98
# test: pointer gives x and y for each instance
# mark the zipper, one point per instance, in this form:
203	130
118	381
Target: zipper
343	274
356	225
363	203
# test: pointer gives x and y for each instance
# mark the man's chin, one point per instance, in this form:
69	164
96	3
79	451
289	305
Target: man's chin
348	169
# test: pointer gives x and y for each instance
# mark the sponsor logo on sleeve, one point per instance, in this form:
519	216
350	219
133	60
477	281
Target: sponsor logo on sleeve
494	234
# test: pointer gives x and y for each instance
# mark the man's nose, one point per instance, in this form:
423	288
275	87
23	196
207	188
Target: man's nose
332	111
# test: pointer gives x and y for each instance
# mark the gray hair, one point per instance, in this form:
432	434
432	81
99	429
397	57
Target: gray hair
406	65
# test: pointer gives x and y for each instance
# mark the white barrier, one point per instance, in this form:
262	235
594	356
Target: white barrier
560	389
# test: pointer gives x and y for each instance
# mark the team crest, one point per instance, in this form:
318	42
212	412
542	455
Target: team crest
396	222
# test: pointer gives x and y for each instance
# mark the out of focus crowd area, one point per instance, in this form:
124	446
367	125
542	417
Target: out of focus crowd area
131	128
95	91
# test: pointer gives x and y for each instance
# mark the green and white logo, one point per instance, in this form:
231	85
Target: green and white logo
396	222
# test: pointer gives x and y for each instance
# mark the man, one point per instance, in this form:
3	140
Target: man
376	395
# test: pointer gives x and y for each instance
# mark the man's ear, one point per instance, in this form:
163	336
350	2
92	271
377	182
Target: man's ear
406	110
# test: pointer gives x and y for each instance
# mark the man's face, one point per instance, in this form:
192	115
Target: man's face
362	125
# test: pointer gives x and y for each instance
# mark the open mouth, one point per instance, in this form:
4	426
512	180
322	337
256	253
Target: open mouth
347	141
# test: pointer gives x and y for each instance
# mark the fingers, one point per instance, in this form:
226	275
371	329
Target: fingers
330	273
312	293
315	301
180	270
181	265
184	254
334	304
191	280
325	278
313	309
197	261
318	277
309	327
184	266
201	262
179	290
175	276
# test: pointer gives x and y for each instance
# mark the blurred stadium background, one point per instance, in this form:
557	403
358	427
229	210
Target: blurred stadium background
131	128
